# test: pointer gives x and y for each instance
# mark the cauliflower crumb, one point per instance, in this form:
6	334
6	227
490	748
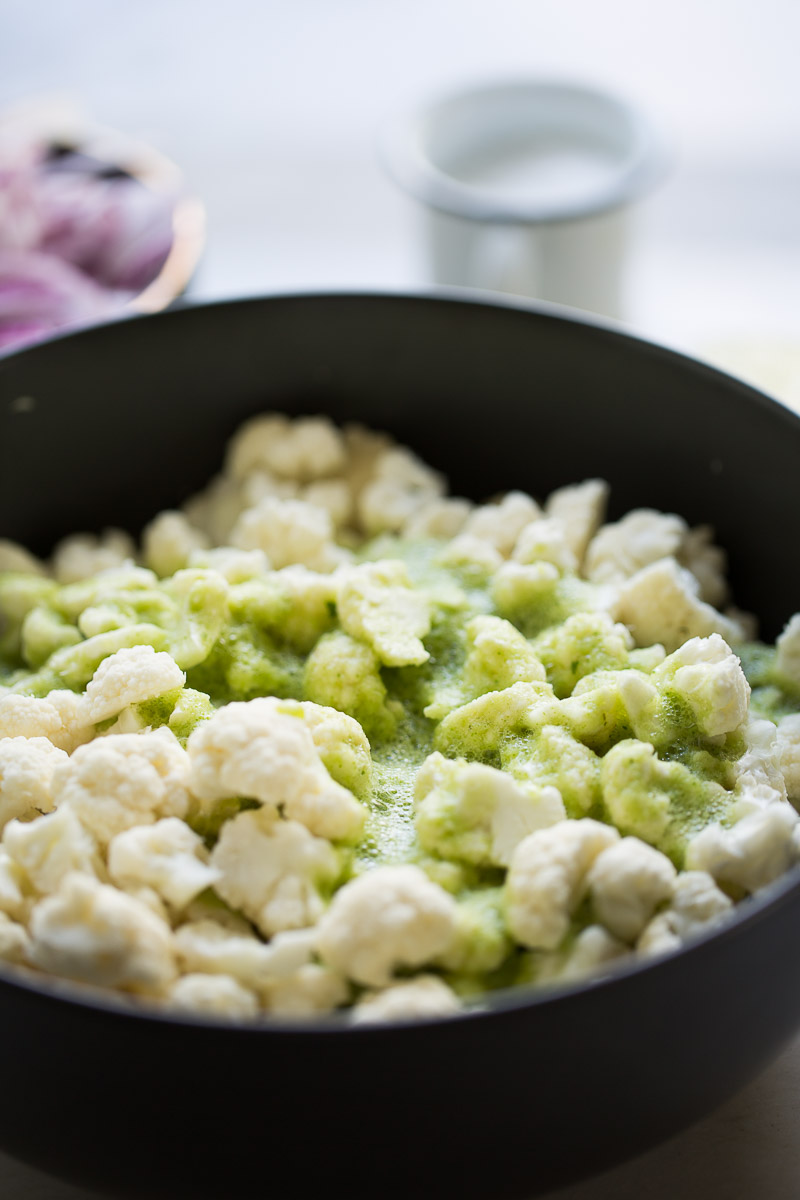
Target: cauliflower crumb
96	934
26	773
547	879
416	999
627	882
130	676
167	857
213	996
391	917
274	871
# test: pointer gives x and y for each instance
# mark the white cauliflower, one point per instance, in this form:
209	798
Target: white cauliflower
627	882
544	540
708	564
708	676
752	853
61	718
341	744
335	496
593	952
388	918
660	604
212	996
476	813
262	750
123	780
307	448
547	879
788	752
26	773
759	771
438	519
642	537
85	554
210	948
579	509
169	541
130	676
469	553
696	903
788	647
400	486
377	604
312	990
14	941
50	848
168	857
93	933
13	889
16	558
417	999
500	524
235	566
274	871
289	531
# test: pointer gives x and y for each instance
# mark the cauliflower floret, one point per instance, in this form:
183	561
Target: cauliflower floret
752	853
708	564
660	604
481	942
400	486
788	751
696	902
584	643
26	773
236	566
85	554
642	537
759	774
13	890
273	870
311	597
471	555
124	780
305	449
627	882
708	676
498	656
310	991
501	524
19	560
289	531
417	999
547	879
476	813
263	750
61	718
210	948
334	496
438	519
544	540
342	745
555	758
388	918
593	952
787	662
130	677
213	996
480	727
579	509
520	587
344	673
93	933
168	857
169	541
14	941
50	848
377	603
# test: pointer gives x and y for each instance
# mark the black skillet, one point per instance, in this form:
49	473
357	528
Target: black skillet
109	426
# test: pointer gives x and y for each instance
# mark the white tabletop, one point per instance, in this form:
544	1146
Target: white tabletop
748	1150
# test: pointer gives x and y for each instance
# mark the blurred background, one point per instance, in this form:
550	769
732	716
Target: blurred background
271	109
